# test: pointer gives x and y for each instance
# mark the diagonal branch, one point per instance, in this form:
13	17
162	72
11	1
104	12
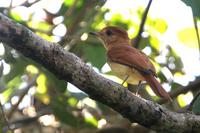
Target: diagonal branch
4	120
196	30
195	85
136	40
25	91
70	68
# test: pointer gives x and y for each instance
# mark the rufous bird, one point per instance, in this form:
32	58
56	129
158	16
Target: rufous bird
127	62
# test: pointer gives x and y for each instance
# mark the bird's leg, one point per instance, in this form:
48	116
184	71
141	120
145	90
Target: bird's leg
138	87
125	80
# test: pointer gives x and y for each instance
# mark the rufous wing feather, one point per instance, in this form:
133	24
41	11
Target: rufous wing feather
129	56
157	87
133	58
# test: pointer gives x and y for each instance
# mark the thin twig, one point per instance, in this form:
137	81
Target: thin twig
196	29
76	37
11	3
5	118
71	9
192	86
26	89
136	40
29	120
76	21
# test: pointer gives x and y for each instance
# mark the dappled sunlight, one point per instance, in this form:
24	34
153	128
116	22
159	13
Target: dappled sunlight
102	123
167	73
26	102
89	117
32	69
185	99
21	12
2	49
87	101
114	78
60	30
41	82
6	68
150	91
73	89
30	111
84	37
14	100
49	120
58	20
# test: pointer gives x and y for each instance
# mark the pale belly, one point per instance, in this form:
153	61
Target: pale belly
123	71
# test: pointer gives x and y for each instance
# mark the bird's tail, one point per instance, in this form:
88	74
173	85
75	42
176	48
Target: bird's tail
157	87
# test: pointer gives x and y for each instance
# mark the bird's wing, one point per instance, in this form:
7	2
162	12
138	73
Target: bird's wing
129	56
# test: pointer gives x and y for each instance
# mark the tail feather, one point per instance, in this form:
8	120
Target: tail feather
157	87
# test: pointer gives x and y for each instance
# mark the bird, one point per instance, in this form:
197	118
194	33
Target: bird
128	63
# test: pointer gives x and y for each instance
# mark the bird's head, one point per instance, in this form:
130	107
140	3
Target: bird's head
112	35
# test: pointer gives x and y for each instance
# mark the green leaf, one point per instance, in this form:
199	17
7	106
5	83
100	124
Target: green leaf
188	37
155	42
160	25
16	16
194	4
175	86
91	120
72	101
11	87
7	94
162	77
42	26
144	42
59	106
196	106
95	54
68	2
92	52
61	85
15	82
63	111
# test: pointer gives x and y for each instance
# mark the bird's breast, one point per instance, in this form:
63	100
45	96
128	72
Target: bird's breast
123	71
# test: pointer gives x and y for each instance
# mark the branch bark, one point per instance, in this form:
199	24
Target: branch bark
70	68
194	85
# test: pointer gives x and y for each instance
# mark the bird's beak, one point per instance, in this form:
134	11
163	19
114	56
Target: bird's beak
94	33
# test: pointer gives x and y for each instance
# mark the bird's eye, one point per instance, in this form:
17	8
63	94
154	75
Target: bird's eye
109	32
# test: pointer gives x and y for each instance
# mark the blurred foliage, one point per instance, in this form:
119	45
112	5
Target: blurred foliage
196	106
188	37
194	4
68	24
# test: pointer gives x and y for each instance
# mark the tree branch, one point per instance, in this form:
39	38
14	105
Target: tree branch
4	120
27	120
70	68
196	30
136	40
192	86
25	91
